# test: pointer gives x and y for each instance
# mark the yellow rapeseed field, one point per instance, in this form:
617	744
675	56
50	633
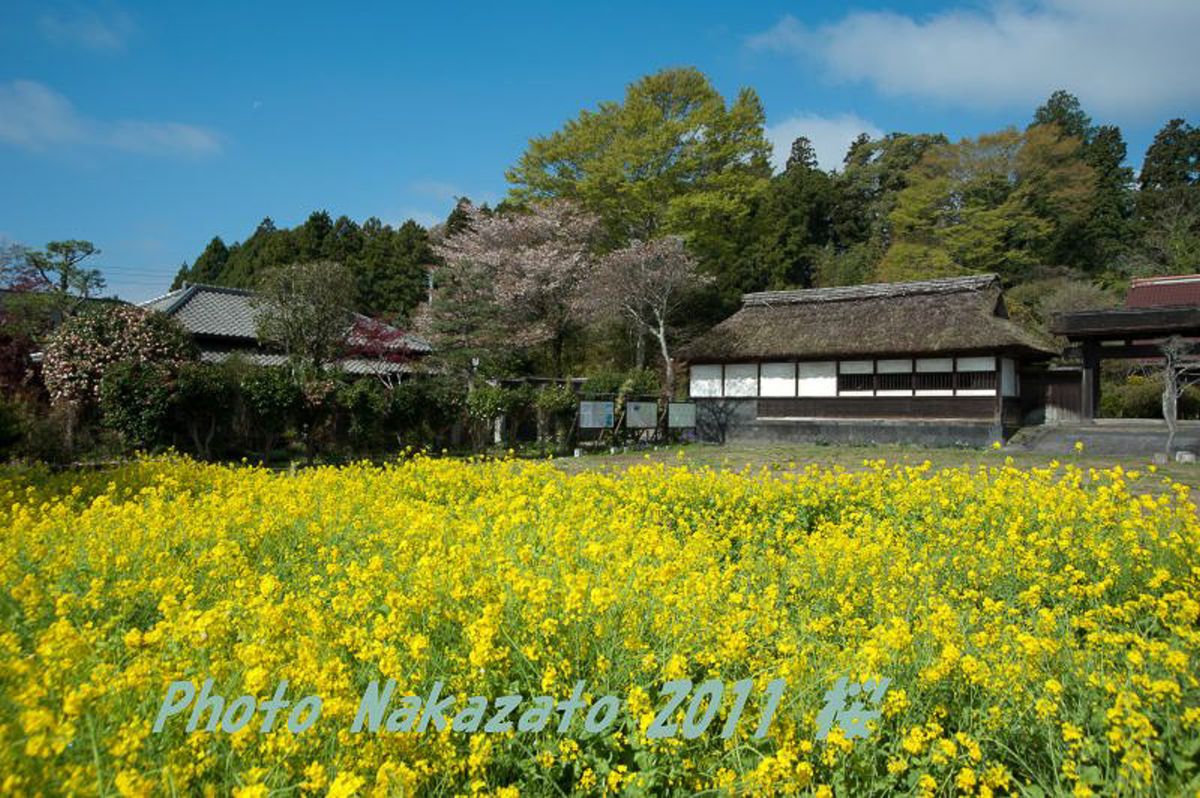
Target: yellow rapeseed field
1040	628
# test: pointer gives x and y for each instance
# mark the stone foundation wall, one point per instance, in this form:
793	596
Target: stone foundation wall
728	420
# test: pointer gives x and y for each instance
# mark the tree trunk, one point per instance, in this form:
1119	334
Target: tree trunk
668	389
557	346
69	430
668	366
1170	406
212	430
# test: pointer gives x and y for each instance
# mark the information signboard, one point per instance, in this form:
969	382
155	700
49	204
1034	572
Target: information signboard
595	415
681	415
641	415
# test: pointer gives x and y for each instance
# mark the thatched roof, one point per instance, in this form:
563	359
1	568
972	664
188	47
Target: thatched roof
957	314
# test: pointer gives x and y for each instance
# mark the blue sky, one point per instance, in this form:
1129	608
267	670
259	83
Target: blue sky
148	128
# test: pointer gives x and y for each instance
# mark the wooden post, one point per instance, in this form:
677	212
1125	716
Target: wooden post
1089	399
998	376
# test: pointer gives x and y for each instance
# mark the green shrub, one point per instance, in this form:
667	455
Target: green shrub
604	383
135	399
363	409
1141	397
488	401
11	432
271	401
205	402
555	399
641	382
635	382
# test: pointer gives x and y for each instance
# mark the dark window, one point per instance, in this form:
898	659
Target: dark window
977	380
855	382
901	381
933	380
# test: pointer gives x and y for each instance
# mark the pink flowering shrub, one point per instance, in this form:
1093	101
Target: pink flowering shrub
84	347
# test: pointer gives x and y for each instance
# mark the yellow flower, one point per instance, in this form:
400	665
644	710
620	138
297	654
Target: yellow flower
996	598
345	785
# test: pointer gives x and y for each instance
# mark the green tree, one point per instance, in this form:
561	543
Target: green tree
1110	224
1168	204
48	284
271	401
306	309
392	270
1173	158
875	171
390	265
204	403
59	267
791	224
209	268
135	400
1064	109
1097	239
671	158
467	332
992	204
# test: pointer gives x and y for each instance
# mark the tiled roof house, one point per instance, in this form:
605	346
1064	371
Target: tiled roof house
223	323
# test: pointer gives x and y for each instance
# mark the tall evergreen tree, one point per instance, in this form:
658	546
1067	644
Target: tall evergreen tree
875	171
1098	239
1168	203
208	268
1173	158
1064	109
790	224
1110	223
389	265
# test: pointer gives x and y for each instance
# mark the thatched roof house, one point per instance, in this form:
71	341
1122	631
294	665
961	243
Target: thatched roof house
957	314
940	349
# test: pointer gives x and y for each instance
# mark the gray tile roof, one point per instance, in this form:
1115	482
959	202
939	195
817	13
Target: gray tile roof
230	313
353	365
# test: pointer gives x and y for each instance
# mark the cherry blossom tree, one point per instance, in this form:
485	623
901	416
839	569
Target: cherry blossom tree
645	283
529	264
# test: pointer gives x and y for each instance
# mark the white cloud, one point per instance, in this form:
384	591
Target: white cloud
1123	59
437	189
35	117
163	138
422	217
830	137
87	28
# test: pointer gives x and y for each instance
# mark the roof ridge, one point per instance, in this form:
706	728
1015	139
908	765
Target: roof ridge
939	285
223	289
161	297
1165	279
